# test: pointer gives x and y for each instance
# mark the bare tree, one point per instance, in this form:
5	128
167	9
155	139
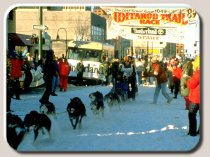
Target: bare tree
82	28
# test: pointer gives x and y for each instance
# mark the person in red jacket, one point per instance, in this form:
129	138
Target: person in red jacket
16	73
64	69
194	96
176	76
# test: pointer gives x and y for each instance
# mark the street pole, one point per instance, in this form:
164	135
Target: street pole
170	49
65	40
66	45
40	33
197	46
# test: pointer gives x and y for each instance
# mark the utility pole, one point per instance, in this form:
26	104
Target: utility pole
40	32
58	38
170	49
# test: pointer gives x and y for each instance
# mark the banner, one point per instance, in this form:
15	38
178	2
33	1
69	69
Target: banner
150	24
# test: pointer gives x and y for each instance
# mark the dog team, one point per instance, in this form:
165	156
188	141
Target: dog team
40	121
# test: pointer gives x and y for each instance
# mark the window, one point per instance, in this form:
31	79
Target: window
84	54
97	33
54	8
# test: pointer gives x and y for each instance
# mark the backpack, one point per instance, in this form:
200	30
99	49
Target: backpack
184	90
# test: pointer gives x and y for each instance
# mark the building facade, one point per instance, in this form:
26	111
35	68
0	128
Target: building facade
70	23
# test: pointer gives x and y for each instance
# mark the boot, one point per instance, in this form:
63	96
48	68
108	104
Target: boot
192	124
54	94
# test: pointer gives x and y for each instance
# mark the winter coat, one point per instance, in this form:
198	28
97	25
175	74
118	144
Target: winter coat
49	69
177	74
194	85
16	68
128	70
64	68
80	67
104	68
114	69
139	66
159	73
169	75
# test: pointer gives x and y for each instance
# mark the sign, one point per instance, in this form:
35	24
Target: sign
151	24
154	17
148	31
156	51
174	35
40	27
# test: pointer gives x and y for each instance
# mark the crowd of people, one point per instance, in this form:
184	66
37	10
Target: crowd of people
179	75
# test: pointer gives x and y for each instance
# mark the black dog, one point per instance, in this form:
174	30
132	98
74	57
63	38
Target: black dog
39	121
112	98
97	102
47	109
76	110
15	130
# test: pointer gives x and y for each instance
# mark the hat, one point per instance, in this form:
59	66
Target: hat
154	60
196	63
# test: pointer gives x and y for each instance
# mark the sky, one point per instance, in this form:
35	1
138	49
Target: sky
137	126
192	36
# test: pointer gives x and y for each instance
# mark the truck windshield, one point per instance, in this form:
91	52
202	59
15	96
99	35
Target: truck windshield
85	55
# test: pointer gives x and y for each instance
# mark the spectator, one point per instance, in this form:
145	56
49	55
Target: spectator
184	90
105	71
27	70
148	69
194	96
8	86
64	69
176	76
114	71
16	73
55	78
139	69
170	79
49	71
80	70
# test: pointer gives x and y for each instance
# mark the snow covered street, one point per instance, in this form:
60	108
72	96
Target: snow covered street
137	126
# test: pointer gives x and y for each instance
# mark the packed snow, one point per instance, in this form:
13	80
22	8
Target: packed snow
137	126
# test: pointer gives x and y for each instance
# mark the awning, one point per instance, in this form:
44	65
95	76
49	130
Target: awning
19	39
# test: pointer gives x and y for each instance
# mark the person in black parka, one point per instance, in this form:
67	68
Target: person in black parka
49	70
